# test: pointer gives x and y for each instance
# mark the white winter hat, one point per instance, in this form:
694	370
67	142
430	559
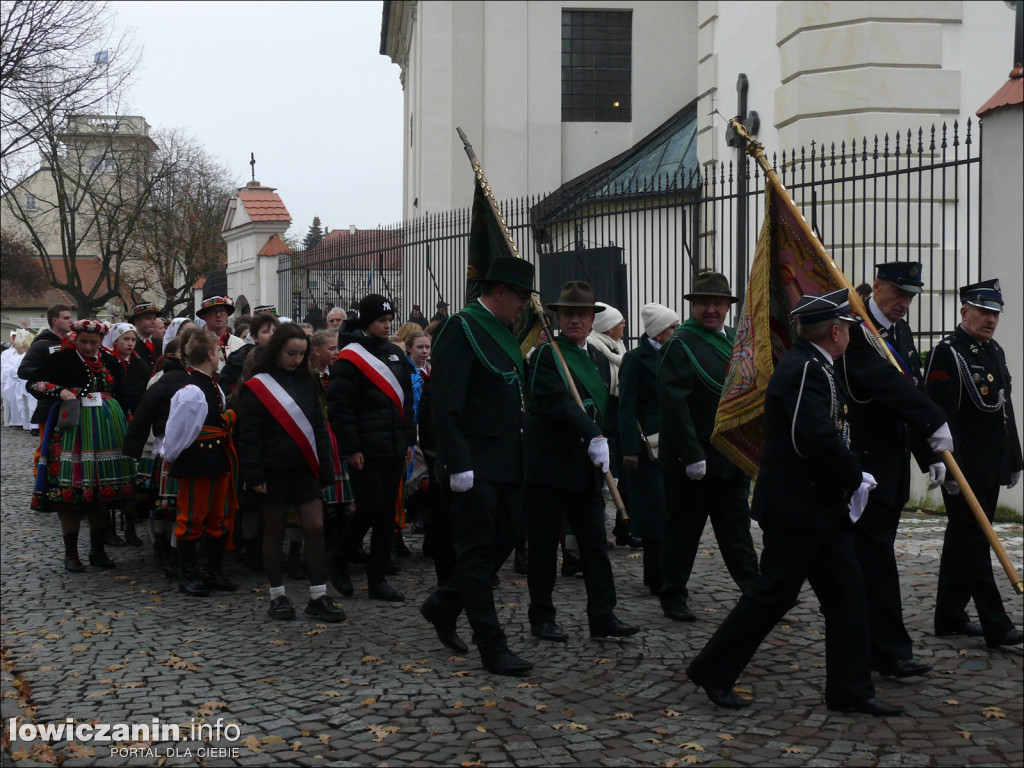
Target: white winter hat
605	321
656	318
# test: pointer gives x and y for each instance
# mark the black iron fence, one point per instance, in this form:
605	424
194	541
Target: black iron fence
912	196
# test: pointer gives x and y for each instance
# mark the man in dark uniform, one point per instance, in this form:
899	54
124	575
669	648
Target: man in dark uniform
801	500
58	317
890	417
699	481
143	317
564	444
477	405
968	378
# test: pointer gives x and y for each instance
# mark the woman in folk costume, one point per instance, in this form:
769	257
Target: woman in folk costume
606	336
639	426
81	467
285	454
120	341
369	403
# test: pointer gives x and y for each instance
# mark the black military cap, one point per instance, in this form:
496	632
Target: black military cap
985	294
902	274
828	305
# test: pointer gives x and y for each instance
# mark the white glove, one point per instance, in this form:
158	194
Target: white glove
598	453
952	487
859	500
462	481
936	475
1014	479
941	439
697	470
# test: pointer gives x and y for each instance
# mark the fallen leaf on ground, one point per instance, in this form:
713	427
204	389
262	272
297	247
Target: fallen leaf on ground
993	712
75	749
481	729
381	732
965	734
696	747
273	739
369	701
623	715
491	703
792	750
252	744
671	713
951	702
725	736
330	694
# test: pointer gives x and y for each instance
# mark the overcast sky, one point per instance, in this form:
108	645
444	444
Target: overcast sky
300	84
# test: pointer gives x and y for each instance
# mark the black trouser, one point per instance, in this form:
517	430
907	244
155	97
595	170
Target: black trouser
689	505
485	521
874	536
824	557
375	487
965	569
438	538
584	511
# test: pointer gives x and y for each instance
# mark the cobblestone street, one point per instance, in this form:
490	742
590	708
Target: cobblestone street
123	646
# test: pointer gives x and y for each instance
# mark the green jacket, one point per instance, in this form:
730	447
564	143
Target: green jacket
558	431
638	397
477	403
689	404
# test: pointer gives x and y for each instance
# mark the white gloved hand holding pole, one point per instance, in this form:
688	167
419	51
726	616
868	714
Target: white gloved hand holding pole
598	453
462	481
941	439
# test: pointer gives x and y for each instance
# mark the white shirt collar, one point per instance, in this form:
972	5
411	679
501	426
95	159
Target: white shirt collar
881	320
654	343
480	301
823	352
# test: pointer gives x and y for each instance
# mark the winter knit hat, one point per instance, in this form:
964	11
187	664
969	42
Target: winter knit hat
605	321
656	318
372	307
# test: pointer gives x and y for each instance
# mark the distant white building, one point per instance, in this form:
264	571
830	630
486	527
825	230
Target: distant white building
254	225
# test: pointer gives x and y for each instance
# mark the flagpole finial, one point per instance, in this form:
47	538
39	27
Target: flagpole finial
252	162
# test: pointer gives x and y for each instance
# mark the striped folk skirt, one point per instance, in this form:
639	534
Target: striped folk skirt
82	467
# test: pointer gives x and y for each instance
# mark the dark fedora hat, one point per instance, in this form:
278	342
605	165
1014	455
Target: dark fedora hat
711	284
511	271
576	294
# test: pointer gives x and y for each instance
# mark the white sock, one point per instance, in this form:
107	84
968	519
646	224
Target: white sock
276	592
315	593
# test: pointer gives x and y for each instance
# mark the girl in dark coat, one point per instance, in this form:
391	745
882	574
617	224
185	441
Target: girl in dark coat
370	407
285	455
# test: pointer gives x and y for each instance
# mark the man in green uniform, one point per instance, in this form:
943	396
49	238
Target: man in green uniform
566	457
699	481
477	404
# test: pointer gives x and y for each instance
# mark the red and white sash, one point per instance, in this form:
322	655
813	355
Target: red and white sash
378	373
288	414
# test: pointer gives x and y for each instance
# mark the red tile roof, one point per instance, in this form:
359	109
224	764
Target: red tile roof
275	247
89	270
263	203
1011	93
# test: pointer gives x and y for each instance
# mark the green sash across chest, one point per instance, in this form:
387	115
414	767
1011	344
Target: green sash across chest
583	367
474	316
720	343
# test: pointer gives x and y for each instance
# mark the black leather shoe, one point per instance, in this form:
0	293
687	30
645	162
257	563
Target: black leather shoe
99	558
385	591
719	694
191	583
341	582
508	664
549	631
626	540
73	565
1009	637
281	608
444	629
111	539
612	628
904	668
131	538
217	582
678	612
571	564
869	707
968	629
325	609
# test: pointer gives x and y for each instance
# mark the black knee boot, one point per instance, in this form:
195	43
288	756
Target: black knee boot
110	534
189	580
97	555
213	576
131	538
71	561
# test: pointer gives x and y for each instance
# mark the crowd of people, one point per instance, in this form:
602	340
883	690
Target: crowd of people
288	443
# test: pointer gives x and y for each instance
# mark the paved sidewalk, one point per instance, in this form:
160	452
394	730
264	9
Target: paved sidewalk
124	646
